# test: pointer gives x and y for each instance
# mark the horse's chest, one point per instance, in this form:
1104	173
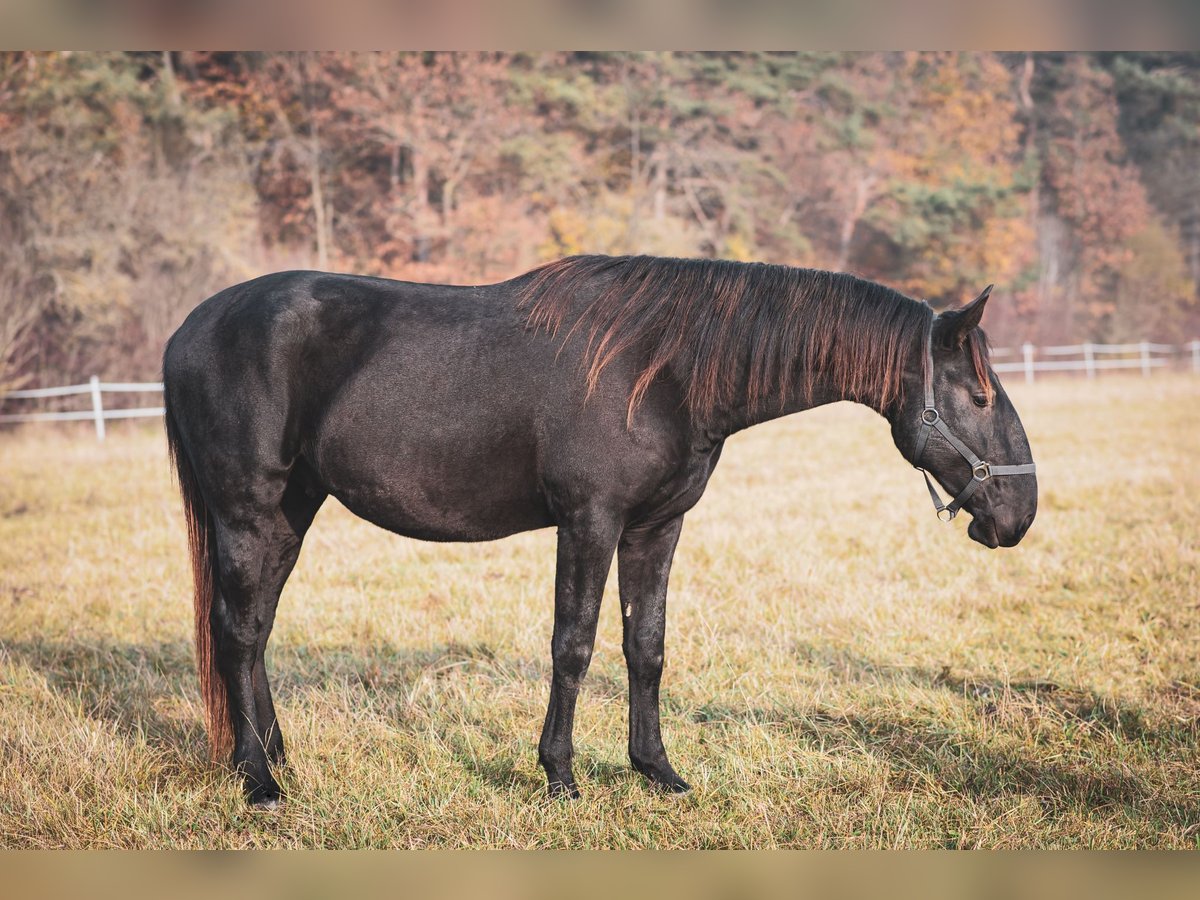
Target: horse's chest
683	488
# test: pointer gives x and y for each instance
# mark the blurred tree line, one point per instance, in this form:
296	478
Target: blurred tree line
132	185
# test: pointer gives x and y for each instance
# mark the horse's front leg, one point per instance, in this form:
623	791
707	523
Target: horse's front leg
585	550
644	563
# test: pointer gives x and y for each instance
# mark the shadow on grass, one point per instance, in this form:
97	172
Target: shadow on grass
1004	700
148	691
130	686
1070	776
973	769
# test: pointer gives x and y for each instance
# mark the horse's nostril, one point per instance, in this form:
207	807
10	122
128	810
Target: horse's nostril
1025	523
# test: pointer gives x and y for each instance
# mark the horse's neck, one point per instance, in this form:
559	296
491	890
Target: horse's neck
725	422
807	391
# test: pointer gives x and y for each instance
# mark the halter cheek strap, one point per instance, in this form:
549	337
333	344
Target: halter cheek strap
931	420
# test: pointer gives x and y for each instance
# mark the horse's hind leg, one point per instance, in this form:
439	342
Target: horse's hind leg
256	549
301	500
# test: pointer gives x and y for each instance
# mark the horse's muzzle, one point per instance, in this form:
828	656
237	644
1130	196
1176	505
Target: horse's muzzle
984	531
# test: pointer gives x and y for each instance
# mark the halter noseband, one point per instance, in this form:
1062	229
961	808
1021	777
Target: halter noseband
931	419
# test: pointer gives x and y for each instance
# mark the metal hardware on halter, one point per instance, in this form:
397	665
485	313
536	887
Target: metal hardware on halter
931	420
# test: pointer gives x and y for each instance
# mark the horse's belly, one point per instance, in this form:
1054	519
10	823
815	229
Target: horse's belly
441	491
432	523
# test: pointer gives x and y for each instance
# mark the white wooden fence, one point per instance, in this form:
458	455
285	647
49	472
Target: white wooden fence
98	414
1089	358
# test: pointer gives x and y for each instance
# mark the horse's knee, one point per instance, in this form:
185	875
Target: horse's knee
645	667
643	654
571	661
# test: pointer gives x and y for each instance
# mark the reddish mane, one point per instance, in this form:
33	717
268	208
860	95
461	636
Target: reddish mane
704	320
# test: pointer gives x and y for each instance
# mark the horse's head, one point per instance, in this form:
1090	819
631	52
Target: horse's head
957	423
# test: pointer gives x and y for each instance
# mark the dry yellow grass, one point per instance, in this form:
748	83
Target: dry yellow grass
842	669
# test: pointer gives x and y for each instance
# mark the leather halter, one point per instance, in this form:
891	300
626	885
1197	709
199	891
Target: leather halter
931	419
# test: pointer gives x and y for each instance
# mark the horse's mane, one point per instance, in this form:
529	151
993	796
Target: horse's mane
704	320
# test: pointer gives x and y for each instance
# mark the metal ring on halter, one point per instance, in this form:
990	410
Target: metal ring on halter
927	418
949	513
981	471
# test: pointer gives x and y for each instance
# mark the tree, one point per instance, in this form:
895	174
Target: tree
952	215
1158	95
125	210
1094	191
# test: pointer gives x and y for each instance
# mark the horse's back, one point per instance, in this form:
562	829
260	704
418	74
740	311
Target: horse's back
338	312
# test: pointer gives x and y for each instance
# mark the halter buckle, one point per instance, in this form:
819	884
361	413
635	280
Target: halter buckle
949	513
929	415
981	472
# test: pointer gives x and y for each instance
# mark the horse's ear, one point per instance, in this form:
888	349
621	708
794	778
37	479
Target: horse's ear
954	325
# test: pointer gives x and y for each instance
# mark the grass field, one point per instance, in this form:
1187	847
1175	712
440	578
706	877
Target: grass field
842	669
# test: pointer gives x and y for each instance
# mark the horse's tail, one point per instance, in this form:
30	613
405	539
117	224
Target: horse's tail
202	547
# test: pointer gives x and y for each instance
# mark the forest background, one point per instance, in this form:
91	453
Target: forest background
133	185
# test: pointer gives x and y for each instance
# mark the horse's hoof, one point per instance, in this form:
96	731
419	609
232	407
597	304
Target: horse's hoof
268	799
559	790
672	785
678	786
664	778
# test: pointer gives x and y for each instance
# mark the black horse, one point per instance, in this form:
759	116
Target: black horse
593	394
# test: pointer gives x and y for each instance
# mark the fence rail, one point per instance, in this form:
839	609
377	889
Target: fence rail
1092	358
98	414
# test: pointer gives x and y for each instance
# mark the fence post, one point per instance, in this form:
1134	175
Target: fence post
1027	353
1089	359
1145	349
1196	356
97	407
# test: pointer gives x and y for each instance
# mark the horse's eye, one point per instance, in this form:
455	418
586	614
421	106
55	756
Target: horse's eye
981	400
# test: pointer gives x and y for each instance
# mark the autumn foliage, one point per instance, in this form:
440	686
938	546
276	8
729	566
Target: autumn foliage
134	184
